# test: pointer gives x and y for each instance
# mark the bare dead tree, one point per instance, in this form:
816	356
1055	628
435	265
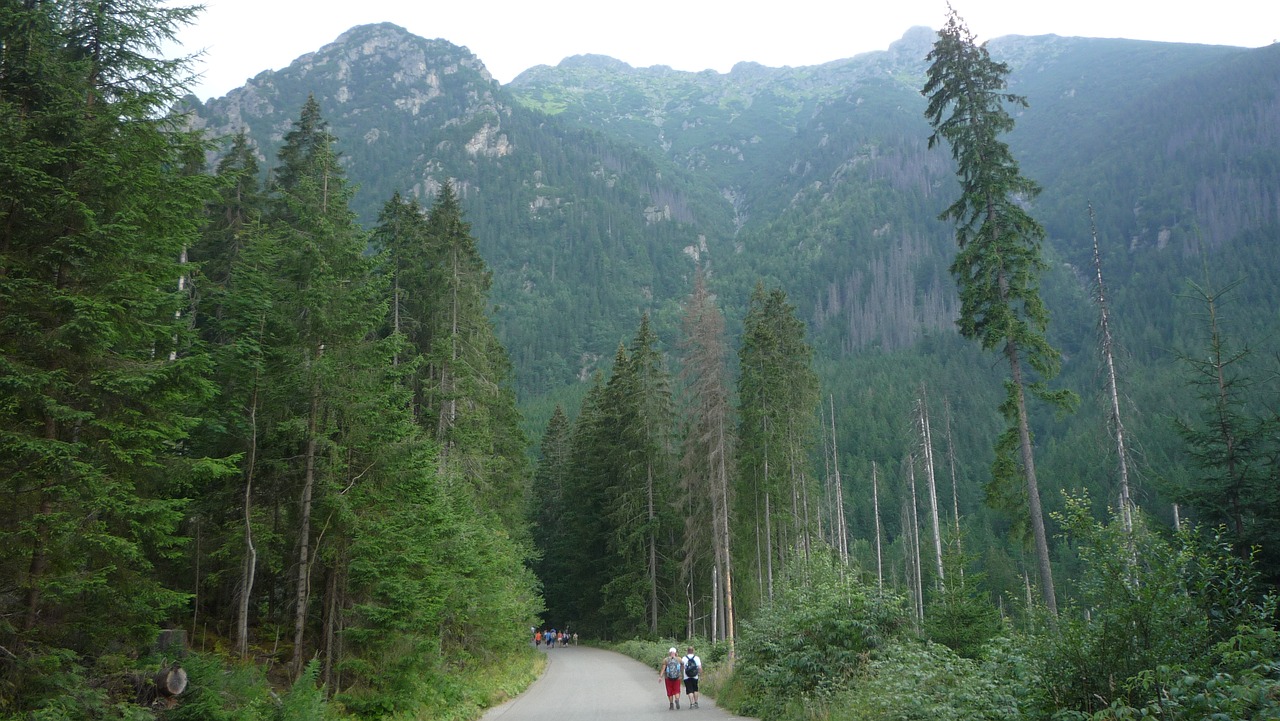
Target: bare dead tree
1108	357
926	455
842	535
913	519
875	501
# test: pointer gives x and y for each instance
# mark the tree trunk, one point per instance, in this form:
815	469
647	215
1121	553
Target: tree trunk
842	537
653	555
330	628
249	565
1122	454
914	518
768	544
40	544
723	472
955	493
875	502
304	533
926	443
1033	488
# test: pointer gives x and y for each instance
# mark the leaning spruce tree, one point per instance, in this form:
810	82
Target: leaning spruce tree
998	264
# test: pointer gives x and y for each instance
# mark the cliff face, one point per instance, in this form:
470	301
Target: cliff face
383	91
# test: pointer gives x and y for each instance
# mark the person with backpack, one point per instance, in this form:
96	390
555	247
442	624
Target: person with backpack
692	669
670	671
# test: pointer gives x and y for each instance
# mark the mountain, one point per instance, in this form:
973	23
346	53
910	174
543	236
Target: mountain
582	231
593	187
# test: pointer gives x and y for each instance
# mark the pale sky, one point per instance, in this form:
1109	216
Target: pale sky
241	38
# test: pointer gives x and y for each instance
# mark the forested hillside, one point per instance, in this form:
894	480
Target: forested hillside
934	382
256	458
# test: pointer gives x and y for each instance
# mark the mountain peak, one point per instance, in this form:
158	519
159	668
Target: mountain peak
596	62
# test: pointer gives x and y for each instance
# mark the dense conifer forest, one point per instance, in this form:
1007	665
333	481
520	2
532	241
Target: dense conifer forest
799	363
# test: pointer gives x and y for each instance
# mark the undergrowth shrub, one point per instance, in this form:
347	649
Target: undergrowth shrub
913	681
813	640
1145	603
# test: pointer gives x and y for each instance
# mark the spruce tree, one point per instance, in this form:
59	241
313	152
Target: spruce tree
1229	443
99	375
551	512
468	400
777	401
324	322
998	263
641	417
234	291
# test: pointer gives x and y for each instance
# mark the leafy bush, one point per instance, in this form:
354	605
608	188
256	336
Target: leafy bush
908	680
215	693
1149	604
813	640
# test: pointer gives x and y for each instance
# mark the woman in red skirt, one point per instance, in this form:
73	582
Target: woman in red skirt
670	672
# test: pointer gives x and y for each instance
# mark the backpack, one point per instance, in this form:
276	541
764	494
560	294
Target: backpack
691	667
673	668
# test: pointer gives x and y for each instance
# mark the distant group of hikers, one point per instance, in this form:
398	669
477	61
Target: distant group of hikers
674	668
553	637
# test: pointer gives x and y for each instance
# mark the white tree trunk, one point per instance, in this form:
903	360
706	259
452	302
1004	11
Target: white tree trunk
875	501
926	443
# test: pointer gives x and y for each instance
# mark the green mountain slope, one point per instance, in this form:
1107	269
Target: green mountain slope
594	186
582	232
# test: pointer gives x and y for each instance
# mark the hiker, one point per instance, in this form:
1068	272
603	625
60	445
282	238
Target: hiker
692	670
669	673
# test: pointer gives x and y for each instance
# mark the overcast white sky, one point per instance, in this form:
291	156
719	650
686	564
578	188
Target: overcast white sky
241	38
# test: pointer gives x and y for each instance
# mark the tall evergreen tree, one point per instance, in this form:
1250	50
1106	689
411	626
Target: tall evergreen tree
233	289
469	402
639	408
401	239
586	518
324	320
550	512
998	263
99	377
777	402
1230	444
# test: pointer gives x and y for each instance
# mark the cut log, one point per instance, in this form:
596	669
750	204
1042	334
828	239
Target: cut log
171	681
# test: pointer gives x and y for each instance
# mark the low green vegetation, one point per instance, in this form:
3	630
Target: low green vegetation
1170	627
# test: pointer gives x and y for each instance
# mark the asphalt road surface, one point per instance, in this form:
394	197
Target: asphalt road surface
588	683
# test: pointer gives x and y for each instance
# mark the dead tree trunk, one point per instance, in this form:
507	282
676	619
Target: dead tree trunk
842	537
914	519
875	502
1112	389
926	446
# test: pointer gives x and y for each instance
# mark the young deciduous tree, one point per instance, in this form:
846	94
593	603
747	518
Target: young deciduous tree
998	263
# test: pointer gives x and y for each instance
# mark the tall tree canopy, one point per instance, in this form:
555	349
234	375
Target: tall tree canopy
777	401
99	375
998	264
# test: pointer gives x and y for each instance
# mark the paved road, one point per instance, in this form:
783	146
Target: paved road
588	683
